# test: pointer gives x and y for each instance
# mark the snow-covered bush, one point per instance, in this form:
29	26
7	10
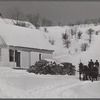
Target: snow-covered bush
32	69
66	40
96	32
72	32
52	41
40	66
84	46
45	67
79	34
53	69
41	63
45	30
21	24
90	33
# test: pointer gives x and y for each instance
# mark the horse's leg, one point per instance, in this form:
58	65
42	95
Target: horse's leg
96	77
88	76
80	76
84	76
92	77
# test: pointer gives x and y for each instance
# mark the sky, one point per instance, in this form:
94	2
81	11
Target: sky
57	11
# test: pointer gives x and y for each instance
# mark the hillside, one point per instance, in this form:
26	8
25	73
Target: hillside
74	53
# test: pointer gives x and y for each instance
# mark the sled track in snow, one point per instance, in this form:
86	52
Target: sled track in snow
60	90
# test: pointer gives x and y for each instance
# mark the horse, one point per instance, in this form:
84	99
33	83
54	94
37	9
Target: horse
93	74
85	72
88	74
81	70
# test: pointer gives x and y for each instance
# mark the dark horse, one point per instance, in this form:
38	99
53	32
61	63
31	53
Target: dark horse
93	74
85	73
81	71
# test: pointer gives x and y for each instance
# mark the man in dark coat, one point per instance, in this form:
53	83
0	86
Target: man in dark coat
97	65
81	67
91	64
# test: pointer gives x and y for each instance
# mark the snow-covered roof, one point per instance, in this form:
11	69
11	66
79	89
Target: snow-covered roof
13	22
23	37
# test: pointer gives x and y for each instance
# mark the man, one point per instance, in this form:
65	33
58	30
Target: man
97	65
91	64
80	69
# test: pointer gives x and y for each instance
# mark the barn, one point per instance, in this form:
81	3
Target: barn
21	47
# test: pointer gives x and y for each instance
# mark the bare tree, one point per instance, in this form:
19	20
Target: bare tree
90	33
46	22
34	19
51	41
72	32
79	34
59	23
84	47
43	21
15	14
78	22
49	23
96	32
45	30
66	40
1	15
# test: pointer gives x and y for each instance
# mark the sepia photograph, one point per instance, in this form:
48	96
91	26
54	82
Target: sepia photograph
49	49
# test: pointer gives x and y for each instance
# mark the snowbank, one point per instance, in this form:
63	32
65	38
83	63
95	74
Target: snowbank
21	84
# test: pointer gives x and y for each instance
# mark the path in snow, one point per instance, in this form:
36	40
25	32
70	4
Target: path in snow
20	84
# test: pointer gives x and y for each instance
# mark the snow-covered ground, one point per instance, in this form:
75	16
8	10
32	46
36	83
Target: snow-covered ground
16	83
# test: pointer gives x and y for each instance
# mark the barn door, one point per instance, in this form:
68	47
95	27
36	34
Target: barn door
17	58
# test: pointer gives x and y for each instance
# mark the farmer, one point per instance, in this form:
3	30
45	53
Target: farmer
97	65
80	69
91	64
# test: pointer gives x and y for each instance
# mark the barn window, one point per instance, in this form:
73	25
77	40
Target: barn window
11	55
39	56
